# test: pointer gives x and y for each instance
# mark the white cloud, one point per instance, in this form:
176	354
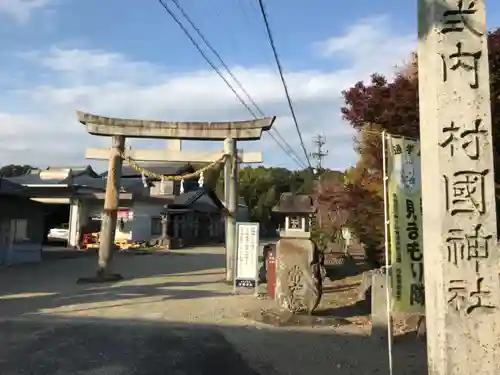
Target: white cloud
91	65
111	84
371	42
22	10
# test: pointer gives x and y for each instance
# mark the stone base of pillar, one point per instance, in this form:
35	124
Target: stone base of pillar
165	242
103	278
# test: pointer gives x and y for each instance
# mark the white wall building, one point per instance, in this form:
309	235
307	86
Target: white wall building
74	195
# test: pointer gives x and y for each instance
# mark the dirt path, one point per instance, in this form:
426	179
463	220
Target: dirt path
169	310
183	286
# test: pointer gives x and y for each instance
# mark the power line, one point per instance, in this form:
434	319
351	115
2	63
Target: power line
244	11
200	34
254	22
255	9
205	56
280	69
289	150
290	153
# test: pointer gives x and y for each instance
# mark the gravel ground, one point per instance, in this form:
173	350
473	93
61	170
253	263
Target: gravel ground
171	315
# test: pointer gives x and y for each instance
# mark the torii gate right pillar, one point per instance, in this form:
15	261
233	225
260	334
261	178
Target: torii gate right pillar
231	201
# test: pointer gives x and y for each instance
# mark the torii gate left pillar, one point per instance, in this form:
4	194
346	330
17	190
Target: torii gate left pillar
119	129
111	204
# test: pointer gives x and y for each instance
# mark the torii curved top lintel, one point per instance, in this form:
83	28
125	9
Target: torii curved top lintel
237	130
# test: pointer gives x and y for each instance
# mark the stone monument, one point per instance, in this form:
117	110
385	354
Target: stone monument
462	289
299	283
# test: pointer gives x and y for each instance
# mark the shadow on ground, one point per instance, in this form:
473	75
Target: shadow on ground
359	308
352	267
128	347
85	263
48	285
48	344
340	288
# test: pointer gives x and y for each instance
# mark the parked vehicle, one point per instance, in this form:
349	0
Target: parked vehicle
59	234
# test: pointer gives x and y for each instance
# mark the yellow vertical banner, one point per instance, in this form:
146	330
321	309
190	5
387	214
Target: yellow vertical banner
404	202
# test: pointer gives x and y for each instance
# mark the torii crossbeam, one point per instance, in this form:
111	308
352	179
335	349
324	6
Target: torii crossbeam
119	129
250	130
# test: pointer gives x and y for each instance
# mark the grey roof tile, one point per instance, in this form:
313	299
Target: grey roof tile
201	199
33	178
170	169
10	188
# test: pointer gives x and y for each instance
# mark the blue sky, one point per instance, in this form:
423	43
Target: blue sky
128	58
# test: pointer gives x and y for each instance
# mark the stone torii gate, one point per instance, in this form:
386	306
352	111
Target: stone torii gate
119	129
174	153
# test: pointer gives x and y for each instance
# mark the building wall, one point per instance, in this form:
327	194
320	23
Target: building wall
93	208
137	229
80	212
78	216
159	189
144	212
74	221
21	231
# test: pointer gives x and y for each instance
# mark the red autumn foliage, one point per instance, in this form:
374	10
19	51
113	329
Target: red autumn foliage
391	106
352	203
394	105
355	201
332	208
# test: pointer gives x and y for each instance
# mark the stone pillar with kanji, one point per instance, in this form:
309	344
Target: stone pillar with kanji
462	286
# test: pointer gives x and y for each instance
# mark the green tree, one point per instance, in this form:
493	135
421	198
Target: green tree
261	188
14	170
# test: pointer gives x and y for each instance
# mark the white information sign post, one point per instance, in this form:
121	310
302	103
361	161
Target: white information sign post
247	256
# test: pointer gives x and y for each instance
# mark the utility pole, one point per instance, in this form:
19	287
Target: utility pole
318	155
